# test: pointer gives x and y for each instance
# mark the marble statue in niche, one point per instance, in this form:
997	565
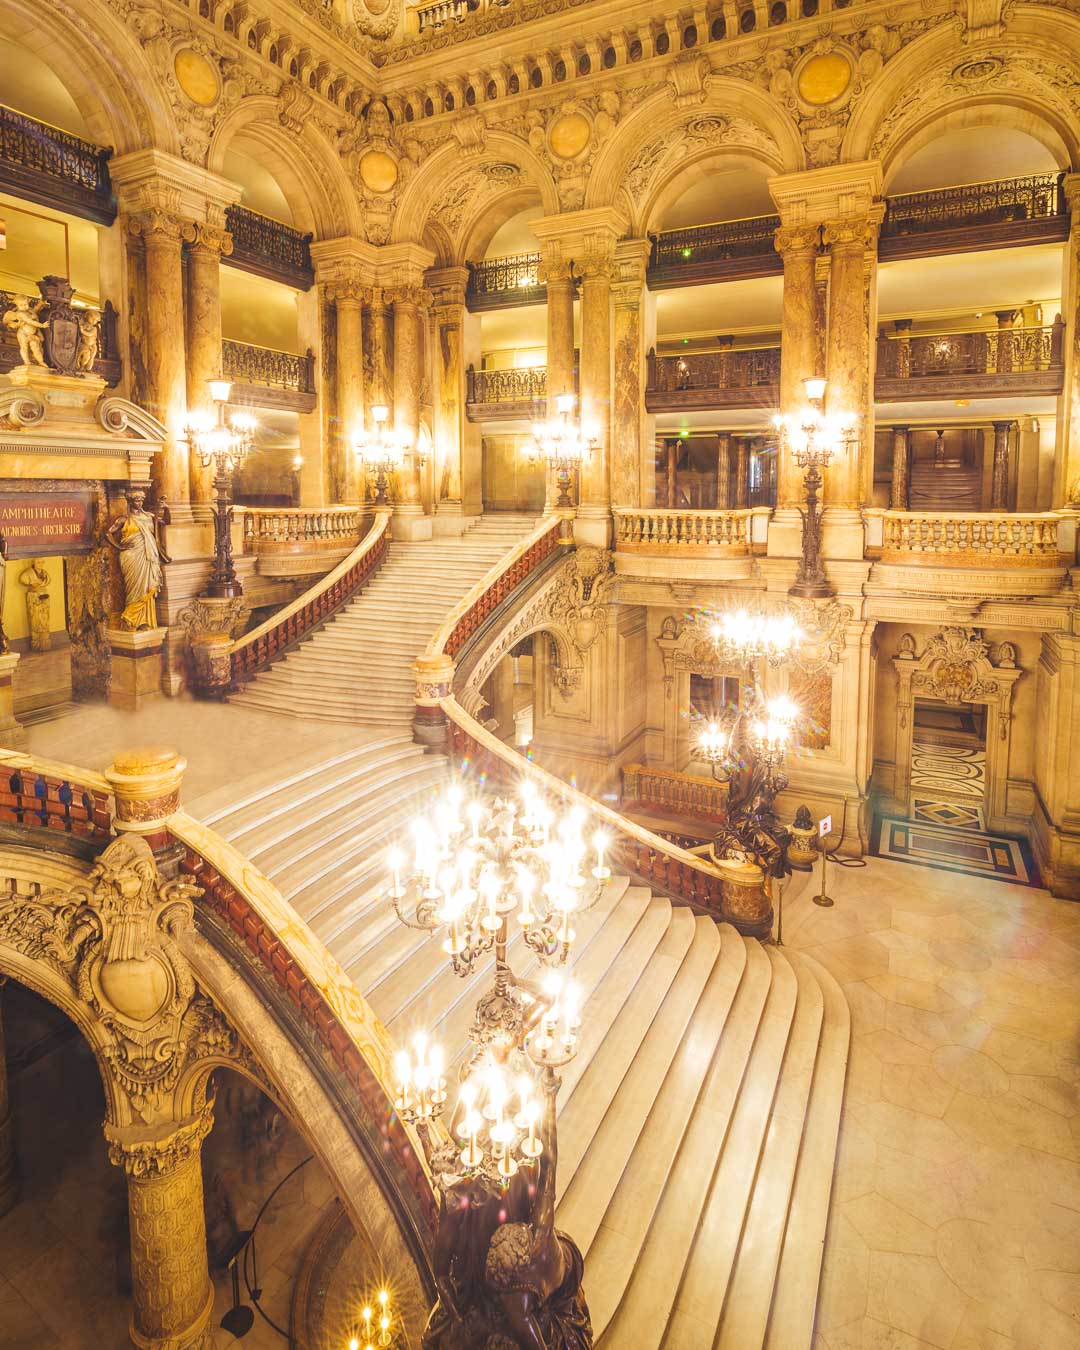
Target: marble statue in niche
135	538
35	579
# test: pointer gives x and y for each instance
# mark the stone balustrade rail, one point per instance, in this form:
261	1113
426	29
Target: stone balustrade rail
690	533
1046	539
677	794
275	529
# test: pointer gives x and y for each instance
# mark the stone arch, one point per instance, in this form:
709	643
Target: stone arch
661	139
489	219
690	171
309	172
104	68
934	85
440	187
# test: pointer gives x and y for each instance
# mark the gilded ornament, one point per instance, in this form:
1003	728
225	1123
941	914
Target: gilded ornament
824	78
378	171
197	76
569	135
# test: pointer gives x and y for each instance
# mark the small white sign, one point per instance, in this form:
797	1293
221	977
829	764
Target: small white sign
824	827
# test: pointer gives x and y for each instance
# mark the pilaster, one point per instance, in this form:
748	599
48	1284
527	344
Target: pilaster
210	244
447	287
630	425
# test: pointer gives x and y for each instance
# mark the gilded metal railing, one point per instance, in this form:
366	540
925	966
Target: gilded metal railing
513	275
1006	199
991	351
272	639
519	385
269	247
725	241
269	528
747	368
1030	540
245	363
657	530
679	794
55	166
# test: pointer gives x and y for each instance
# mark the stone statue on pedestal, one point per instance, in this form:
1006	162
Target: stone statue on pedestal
135	538
35	578
28	328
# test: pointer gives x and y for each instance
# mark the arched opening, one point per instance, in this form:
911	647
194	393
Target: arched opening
972	154
508	695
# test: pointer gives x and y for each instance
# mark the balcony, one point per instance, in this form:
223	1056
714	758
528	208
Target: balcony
46	165
988	363
299	541
269	248
748	378
265	378
728	251
506	395
108	364
975	216
505	283
979	553
713	545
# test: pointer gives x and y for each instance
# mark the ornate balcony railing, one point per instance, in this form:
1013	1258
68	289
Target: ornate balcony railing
279	529
54	167
974	216
270	640
688	534
509	394
270	248
931	538
675	794
268	378
42	794
723	251
504	282
984	362
749	377
108	364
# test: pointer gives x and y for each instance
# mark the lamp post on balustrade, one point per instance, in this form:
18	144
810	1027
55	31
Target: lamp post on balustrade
812	437
381	450
224	443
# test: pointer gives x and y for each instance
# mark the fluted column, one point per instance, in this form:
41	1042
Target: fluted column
163	235
850	349
348	295
799	247
597	268
901	462
999	491
172	1296
560	339
447	286
9	1167
723	470
204	255
628	420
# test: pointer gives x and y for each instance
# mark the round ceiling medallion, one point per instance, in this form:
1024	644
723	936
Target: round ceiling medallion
569	135
824	78
971	72
378	171
197	77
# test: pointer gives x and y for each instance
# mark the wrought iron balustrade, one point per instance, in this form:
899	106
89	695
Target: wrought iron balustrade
270	248
1006	199
54	167
244	363
727	379
727	249
513	280
526	384
983	362
108	363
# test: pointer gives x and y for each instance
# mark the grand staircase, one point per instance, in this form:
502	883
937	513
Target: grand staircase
949	486
698	1123
356	668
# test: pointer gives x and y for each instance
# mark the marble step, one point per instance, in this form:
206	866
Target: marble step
642	1314
791	1319
286	705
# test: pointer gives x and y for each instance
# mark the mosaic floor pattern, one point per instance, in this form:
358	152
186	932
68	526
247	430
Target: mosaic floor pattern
958	770
954	815
942	844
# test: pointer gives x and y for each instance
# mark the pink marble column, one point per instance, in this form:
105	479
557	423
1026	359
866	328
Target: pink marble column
447	286
408	347
349	296
204	256
901	442
560	339
594	511
799	247
631	260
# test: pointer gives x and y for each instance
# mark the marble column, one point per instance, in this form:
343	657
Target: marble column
799	247
408	348
723	470
204	256
1006	321
9	1167
172	1296
447	286
1066	487
901	462
671	472
163	236
627	441
999	491
560	341
593	525
348	295
381	331
742	473
850	351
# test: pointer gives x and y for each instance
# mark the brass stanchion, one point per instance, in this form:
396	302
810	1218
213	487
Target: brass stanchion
823	898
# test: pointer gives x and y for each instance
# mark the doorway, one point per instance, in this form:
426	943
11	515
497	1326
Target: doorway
948	764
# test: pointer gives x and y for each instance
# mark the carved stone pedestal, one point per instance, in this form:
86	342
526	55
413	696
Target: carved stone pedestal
12	732
211	666
747	906
434	681
136	666
146	787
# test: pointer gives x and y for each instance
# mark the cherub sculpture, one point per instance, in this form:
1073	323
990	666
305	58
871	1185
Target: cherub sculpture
89	322
23	320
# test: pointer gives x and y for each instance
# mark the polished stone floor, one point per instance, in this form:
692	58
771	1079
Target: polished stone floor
956	1204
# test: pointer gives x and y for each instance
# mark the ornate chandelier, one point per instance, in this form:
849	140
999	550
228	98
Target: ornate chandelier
812	437
561	443
381	450
223	443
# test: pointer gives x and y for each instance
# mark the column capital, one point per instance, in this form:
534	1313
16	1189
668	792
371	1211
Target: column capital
146	1154
857	234
151	179
447	286
210	241
631	262
157	225
581	237
836	191
797	241
418	297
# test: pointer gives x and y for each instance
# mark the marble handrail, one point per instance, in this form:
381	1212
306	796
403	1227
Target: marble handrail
49	794
270	639
291	525
683	793
663	530
1035	539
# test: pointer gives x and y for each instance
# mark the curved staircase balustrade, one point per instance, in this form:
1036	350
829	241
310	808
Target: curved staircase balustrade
270	529
49	795
264	644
